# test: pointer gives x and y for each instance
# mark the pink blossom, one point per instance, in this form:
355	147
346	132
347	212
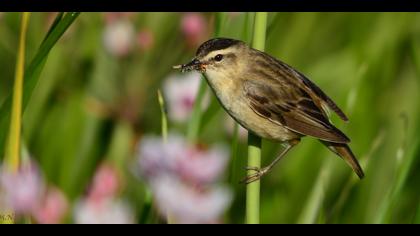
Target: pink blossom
186	204
110	211
100	206
183	178
180	92
156	157
53	207
176	156
106	183
202	166
194	28
22	190
145	39
118	37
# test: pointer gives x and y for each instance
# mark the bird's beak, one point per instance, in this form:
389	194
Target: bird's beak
195	64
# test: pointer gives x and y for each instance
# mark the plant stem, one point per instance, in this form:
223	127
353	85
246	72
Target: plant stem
233	154
164	120
12	157
254	142
164	123
253	189
194	126
260	23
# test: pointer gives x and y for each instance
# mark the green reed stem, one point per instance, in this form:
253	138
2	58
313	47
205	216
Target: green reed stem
13	151
13	148
194	125
148	197
164	120
254	142
164	123
234	155
253	189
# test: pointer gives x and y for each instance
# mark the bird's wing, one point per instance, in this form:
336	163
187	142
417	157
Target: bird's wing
286	72
292	107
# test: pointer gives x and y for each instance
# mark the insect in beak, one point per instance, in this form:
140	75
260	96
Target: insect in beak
193	65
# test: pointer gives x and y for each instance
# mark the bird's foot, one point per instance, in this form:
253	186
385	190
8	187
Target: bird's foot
259	172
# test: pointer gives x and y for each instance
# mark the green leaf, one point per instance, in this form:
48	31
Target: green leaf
33	71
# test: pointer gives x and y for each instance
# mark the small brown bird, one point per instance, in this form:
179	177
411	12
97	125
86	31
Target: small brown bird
269	98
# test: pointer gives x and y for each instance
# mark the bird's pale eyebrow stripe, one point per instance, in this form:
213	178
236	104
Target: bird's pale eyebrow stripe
212	54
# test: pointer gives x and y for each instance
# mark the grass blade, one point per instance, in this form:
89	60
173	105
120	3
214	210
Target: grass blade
32	73
13	157
164	120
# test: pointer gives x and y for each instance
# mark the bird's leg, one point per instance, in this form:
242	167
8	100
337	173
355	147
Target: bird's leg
259	172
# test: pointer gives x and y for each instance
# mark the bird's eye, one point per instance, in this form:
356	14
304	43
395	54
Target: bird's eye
218	57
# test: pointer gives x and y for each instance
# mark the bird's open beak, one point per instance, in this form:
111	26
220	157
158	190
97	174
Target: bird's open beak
192	65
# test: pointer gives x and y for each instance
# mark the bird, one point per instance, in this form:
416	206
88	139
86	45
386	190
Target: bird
270	99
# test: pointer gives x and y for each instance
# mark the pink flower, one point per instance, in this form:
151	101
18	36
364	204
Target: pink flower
22	190
110	211
119	37
155	156
180	92
190	163
202	166
194	28
106	183
53	207
183	178
145	39
185	204
100	206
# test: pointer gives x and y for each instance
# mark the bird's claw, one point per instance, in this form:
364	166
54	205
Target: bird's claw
253	168
256	176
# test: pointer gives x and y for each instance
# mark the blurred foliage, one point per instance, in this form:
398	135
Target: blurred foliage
89	105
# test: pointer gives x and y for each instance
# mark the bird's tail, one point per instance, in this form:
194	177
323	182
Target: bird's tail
344	151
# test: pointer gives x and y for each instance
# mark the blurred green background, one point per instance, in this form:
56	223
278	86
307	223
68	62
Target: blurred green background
90	105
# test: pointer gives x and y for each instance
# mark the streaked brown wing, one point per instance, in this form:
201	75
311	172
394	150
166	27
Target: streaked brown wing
293	108
282	71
